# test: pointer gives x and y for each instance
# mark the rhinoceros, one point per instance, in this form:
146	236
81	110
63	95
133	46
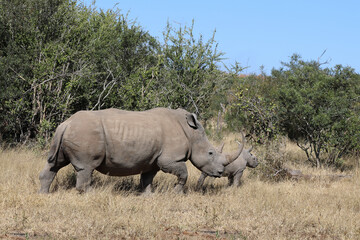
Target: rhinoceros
234	170
122	143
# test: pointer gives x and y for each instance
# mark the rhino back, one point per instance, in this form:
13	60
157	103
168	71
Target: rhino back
238	165
132	139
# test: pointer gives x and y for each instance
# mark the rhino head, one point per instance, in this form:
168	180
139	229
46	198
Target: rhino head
203	155
251	160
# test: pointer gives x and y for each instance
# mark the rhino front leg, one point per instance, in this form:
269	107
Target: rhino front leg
146	180
178	169
237	178
230	180
200	182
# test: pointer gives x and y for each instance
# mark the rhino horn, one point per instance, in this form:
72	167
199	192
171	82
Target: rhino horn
233	156
220	149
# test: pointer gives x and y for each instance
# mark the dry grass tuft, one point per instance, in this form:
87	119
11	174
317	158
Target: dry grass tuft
319	208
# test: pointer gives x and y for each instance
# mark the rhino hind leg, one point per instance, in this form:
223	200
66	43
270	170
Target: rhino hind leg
83	179
46	177
48	174
84	164
146	180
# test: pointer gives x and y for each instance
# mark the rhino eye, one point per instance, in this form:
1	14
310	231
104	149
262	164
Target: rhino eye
211	153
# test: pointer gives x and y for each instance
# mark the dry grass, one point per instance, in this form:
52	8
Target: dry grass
314	209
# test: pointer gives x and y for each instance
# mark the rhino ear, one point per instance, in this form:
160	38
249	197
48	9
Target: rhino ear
191	120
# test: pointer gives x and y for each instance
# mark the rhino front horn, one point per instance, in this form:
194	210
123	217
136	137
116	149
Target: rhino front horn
233	156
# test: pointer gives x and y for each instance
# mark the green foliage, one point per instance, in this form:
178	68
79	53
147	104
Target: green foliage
26	56
316	107
319	108
253	106
58	57
189	69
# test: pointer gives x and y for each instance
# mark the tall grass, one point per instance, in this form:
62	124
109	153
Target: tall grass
319	208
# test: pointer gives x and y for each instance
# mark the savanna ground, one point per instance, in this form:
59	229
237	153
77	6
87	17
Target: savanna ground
316	208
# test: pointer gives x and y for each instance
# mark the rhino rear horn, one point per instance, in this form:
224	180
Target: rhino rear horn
220	149
233	156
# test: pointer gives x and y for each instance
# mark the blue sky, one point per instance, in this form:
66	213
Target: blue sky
256	33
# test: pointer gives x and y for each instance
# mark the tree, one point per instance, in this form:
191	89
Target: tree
189	72
319	108
252	105
58	57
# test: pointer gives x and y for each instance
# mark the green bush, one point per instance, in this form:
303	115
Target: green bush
253	106
58	57
319	109
314	106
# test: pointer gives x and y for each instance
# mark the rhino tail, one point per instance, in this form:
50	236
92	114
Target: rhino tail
56	144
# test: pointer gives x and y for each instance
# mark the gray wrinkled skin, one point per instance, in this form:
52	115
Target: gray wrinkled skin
123	143
234	170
